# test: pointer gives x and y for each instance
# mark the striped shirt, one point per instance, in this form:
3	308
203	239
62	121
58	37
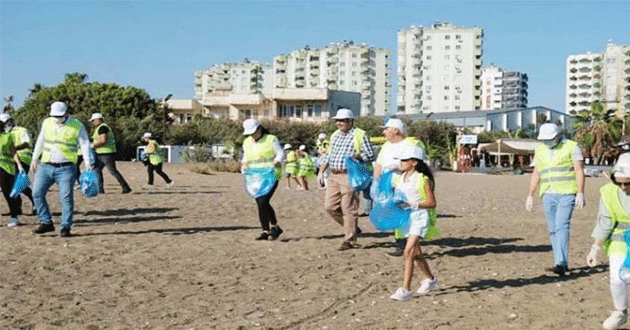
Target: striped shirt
342	145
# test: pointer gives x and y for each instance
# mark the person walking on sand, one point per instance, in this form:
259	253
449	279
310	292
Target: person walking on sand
306	168
323	146
559	169
24	149
291	166
261	149
56	148
8	161
154	153
416	183
104	145
341	201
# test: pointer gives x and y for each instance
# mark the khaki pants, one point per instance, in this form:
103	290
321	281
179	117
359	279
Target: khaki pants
342	203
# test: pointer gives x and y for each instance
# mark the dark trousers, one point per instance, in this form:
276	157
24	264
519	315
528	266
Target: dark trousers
266	214
28	192
107	160
158	169
6	183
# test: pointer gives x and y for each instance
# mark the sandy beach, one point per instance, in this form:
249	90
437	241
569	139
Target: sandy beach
186	258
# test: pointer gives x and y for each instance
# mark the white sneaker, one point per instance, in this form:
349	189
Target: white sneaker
615	320
401	295
170	185
427	285
13	222
148	187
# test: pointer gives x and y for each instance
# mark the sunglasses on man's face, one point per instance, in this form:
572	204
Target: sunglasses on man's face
623	184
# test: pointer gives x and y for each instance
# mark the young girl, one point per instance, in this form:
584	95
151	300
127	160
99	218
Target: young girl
306	167
417	184
291	166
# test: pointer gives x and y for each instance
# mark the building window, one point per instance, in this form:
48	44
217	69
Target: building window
447	57
298	111
354	73
457	107
342	73
318	110
354	64
447	87
309	110
446	97
458	36
428	47
354	83
354	55
447	47
447	37
341	82
457	97
458	46
429	97
342	64
428	57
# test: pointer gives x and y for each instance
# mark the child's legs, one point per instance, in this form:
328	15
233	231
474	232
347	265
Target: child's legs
410	251
422	262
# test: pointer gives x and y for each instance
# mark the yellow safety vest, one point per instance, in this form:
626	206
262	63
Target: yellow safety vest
110	143
357	138
156	157
66	140
422	180
615	245
25	155
292	165
557	173
322	147
307	168
261	153
6	160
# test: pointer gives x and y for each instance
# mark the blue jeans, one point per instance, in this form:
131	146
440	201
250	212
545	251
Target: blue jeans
558	210
64	177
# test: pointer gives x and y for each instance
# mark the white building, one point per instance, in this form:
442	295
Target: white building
602	77
503	89
439	69
344	66
243	78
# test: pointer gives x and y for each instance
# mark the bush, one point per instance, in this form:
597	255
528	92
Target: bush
216	166
199	153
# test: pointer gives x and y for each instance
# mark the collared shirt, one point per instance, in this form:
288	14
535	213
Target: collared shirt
604	223
55	155
342	145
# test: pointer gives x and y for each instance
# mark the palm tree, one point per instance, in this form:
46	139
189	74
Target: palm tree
8	107
597	130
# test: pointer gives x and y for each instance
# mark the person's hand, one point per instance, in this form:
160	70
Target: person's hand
403	205
34	165
580	201
276	163
357	156
320	178
591	258
529	204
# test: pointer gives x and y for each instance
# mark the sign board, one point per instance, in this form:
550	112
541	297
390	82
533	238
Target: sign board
468	139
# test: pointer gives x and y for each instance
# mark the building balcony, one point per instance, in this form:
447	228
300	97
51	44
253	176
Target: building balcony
314	72
332	60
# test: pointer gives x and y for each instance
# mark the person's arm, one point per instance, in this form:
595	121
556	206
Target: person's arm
102	137
150	148
277	148
84	144
603	227
26	141
430	202
578	167
378	170
37	152
533	181
367	150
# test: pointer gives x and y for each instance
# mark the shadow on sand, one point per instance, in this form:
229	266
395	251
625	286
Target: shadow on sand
174	231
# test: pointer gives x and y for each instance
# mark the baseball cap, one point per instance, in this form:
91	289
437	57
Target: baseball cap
4	117
250	126
398	124
287	146
302	147
58	109
622	168
96	115
414	152
321	136
548	131
147	135
344	114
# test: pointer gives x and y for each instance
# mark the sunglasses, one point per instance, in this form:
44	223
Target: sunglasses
623	184
344	120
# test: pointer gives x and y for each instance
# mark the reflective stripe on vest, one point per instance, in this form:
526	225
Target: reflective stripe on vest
261	153
156	157
66	140
110	142
6	160
558	173
25	155
615	244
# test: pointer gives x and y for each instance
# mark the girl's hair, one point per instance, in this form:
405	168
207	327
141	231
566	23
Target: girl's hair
263	131
421	167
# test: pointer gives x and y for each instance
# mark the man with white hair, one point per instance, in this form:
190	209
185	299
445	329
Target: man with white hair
56	148
613	219
104	145
558	166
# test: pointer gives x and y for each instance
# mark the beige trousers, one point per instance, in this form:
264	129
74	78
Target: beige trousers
342	203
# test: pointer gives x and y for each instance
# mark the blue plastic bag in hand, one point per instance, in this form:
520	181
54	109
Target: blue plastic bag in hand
20	184
93	159
359	175
388	211
624	271
89	183
259	180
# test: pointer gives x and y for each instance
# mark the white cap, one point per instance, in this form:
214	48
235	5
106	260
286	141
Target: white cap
548	131
398	124
147	135
4	117
413	152
344	114
96	115
622	168
58	109
302	147
250	126
287	146
321	136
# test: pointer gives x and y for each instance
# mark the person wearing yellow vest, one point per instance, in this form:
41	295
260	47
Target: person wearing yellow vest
156	159
104	145
306	167
261	149
24	149
613	219
341	201
8	161
395	131
323	145
291	166
417	184
56	148
559	169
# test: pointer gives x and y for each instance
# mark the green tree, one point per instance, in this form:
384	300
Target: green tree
596	130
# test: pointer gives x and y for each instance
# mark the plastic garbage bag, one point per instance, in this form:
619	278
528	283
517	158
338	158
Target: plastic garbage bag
388	211
624	271
93	159
259	180
359	175
20	183
89	183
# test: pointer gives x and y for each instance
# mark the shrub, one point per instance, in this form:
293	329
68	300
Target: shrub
216	166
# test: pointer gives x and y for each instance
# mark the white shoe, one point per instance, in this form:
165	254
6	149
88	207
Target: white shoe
615	320
148	186
170	185
427	285
401	295
13	222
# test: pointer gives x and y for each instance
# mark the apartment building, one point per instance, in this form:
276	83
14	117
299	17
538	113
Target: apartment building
599	77
503	89
342	66
439	69
241	77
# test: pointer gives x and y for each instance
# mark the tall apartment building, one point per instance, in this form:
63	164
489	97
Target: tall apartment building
340	66
439	69
241	78
600	77
503	89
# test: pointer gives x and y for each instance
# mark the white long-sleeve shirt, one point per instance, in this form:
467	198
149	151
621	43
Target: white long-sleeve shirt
56	157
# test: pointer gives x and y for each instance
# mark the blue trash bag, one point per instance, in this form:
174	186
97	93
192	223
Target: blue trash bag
259	180
624	271
93	159
387	210
89	183
20	183
359	175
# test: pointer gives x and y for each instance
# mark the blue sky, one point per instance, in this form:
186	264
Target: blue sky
158	45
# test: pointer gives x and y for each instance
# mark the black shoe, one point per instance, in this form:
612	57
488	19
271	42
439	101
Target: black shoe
275	233
126	190
559	270
101	192
263	237
64	232
399	250
44	228
358	231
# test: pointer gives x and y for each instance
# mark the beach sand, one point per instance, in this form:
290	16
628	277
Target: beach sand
186	258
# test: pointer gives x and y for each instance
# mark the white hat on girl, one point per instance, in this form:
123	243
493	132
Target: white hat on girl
622	168
287	146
